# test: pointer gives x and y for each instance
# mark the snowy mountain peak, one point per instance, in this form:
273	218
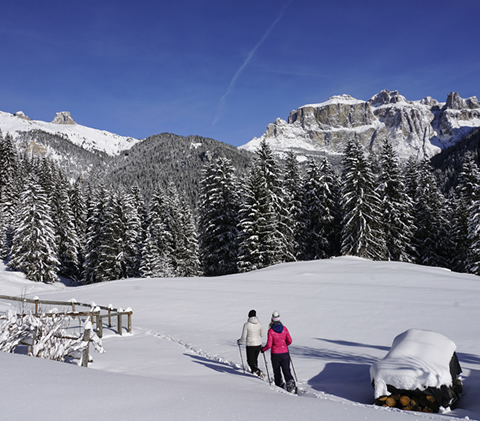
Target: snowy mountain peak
386	97
63	117
23	129
456	102
416	128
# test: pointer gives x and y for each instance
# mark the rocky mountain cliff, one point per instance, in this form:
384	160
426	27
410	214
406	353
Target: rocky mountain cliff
420	128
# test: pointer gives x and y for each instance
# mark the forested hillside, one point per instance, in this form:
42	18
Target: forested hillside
261	213
448	163
165	158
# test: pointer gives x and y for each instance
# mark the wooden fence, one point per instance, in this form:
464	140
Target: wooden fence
96	313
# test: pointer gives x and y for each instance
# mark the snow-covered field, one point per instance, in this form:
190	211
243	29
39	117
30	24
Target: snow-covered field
182	361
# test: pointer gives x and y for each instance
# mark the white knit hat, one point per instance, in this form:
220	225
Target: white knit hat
275	316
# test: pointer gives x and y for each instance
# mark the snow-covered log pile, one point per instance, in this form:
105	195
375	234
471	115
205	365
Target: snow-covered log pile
419	373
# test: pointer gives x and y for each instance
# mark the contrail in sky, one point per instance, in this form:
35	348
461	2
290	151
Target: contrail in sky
221	103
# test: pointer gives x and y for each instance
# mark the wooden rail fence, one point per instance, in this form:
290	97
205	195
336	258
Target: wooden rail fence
96	313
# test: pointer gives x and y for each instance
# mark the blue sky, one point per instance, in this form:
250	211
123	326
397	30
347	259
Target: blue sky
224	69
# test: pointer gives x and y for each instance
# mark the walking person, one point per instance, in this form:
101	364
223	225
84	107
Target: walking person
278	340
252	334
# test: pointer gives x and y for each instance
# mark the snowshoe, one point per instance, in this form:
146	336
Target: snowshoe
260	374
291	387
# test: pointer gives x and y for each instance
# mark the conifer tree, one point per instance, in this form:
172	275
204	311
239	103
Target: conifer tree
468	194
161	249
330	196
95	236
10	187
361	234
313	243
430	238
79	215
292	188
263	204
282	237
396	208
34	246
68	242
218	209
257	224
184	256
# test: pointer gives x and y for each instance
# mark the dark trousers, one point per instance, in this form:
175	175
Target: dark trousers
281	363
252	357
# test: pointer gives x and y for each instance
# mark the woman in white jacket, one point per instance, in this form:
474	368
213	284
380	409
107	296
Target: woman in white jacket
252	334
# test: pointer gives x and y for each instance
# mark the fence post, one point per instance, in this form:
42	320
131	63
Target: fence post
129	320
99	324
110	315
36	305
73	301
119	321
86	338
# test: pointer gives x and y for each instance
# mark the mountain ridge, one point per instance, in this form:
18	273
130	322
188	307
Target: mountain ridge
93	140
420	128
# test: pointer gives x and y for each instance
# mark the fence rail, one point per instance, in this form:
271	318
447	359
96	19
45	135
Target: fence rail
94	312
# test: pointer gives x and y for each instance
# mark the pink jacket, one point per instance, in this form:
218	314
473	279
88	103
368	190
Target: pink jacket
278	339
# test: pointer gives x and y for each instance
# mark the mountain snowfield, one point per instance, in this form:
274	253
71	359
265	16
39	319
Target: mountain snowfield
85	137
182	361
416	128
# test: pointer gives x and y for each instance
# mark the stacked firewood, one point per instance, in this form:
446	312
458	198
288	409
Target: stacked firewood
410	402
429	400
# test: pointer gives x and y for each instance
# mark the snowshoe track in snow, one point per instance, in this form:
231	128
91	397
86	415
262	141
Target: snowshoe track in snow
301	391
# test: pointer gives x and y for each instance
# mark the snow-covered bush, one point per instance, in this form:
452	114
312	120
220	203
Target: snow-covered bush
46	335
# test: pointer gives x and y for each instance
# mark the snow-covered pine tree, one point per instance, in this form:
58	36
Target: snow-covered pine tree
282	241
149	264
330	194
140	207
264	205
161	250
184	256
292	188
257	225
362	231
34	249
8	161
9	193
468	194
218	222
112	250
79	213
431	238
312	239
68	243
473	260
95	235
397	207
187	252
132	233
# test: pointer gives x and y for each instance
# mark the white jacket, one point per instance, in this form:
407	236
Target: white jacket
252	332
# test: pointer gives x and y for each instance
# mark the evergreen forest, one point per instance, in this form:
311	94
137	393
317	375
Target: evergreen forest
267	212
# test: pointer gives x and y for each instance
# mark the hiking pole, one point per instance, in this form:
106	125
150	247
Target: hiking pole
291	362
241	357
266	367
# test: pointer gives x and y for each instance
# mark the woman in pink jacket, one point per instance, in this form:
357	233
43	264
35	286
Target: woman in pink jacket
278	340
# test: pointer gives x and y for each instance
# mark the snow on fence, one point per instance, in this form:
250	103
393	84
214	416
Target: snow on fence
95	316
96	313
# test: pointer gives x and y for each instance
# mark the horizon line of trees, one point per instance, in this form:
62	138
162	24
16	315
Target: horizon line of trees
374	209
